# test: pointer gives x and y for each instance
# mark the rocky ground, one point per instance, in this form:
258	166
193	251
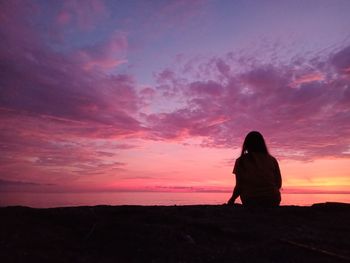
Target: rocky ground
206	233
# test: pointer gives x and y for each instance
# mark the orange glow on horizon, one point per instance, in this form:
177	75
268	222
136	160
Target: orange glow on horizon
176	167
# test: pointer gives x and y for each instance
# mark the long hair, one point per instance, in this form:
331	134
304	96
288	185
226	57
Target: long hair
254	142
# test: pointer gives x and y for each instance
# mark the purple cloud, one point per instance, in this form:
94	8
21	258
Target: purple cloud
341	60
58	106
22	186
106	55
303	109
36	80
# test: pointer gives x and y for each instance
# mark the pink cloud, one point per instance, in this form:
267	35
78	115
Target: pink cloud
208	88
54	113
148	92
42	151
311	77
38	81
106	55
165	75
347	71
63	18
306	121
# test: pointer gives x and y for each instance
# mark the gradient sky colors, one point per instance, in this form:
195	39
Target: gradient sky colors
158	95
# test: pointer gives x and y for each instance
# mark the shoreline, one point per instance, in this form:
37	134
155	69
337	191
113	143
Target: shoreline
189	233
87	199
236	205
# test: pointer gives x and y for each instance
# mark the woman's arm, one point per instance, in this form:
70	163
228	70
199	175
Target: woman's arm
236	190
234	196
235	193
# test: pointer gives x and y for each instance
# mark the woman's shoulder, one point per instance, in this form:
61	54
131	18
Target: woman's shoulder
272	158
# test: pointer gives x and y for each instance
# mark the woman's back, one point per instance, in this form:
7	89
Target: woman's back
257	175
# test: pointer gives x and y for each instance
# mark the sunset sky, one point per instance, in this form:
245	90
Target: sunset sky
159	95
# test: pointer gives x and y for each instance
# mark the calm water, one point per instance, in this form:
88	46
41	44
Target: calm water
43	200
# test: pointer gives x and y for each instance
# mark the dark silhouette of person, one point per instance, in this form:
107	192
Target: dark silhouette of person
258	177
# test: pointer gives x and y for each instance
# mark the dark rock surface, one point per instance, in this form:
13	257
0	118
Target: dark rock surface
206	233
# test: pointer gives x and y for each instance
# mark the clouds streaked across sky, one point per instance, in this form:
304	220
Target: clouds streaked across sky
159	95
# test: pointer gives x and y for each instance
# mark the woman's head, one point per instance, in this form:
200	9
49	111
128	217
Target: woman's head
254	142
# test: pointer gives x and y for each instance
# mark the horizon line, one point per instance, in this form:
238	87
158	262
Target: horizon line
286	191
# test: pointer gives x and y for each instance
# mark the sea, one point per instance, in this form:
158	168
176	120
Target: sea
48	200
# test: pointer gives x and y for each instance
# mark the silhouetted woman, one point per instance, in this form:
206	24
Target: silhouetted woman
258	177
